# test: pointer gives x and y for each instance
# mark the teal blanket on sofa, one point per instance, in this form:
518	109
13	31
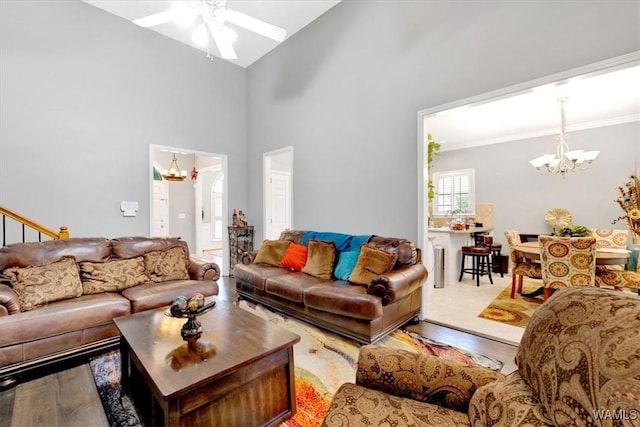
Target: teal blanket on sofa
343	242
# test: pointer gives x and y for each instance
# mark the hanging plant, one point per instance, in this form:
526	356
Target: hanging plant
433	148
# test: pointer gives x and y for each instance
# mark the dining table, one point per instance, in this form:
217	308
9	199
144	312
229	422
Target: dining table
604	256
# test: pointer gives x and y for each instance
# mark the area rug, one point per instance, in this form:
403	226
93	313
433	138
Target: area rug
323	361
516	311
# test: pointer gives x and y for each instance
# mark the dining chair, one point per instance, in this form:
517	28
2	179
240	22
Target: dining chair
520	267
614	276
567	262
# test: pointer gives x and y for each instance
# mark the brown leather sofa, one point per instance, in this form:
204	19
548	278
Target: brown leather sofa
39	338
364	313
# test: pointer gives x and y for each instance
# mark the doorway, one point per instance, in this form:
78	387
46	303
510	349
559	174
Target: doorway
191	209
278	185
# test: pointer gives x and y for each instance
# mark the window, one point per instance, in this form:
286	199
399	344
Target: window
455	190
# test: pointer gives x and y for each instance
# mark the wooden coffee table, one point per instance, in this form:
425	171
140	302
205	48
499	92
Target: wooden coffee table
239	373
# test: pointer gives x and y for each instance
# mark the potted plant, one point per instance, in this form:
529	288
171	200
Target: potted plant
573	231
432	149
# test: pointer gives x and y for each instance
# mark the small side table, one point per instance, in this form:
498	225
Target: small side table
240	239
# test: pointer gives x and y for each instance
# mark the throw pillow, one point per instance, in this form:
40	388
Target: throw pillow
112	276
295	257
170	264
321	257
346	263
271	252
36	286
371	263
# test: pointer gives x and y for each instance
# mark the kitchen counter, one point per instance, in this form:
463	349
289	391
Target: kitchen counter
451	241
470	230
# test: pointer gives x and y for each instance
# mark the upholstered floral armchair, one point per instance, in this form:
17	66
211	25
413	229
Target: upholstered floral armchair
577	365
614	276
520	267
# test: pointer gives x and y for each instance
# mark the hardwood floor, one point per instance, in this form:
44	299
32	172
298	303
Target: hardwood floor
69	398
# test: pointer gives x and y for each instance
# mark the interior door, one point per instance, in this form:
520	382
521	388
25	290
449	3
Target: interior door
160	209
279	217
278	179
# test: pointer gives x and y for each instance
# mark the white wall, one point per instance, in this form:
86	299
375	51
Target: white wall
344	92
521	195
84	93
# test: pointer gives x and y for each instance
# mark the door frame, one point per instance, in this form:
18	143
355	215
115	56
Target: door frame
267	172
224	268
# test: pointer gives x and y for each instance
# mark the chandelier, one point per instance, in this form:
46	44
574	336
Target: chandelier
174	173
564	160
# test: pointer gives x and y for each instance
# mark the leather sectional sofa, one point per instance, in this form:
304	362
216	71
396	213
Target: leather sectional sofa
365	311
58	298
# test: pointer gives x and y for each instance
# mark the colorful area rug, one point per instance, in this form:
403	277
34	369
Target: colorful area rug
516	311
323	361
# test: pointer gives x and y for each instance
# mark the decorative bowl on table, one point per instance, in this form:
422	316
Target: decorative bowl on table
190	309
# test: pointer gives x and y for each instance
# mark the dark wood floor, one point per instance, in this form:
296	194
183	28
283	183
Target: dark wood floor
69	398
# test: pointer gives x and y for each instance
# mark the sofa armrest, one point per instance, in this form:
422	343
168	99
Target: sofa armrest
248	257
421	376
397	284
200	269
9	302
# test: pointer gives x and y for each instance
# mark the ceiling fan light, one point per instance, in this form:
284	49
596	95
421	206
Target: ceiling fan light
223	43
155	19
200	36
256	25
183	14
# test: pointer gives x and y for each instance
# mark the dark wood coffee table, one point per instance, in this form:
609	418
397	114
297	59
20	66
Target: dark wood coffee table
239	373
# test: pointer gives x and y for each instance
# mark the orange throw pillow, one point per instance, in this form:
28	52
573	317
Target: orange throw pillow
295	257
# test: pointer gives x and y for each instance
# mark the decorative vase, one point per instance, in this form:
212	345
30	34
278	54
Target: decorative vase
632	265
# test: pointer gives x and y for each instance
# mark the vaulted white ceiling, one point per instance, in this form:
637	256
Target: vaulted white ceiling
292	15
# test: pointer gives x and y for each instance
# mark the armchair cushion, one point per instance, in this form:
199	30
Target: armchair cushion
354	405
507	403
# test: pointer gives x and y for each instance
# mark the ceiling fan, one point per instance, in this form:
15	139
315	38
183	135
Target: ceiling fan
212	17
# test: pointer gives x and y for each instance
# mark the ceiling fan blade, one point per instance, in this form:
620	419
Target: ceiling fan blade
156	19
257	26
223	42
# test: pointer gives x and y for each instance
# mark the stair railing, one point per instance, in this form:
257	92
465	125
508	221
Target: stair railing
27	223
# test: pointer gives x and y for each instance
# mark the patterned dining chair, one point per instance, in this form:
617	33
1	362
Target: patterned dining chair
614	276
567	262
609	238
520	267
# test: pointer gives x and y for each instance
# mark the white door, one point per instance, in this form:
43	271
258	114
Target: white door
160	209
278	194
279	219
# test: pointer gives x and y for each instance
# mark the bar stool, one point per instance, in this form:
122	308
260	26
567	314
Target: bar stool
480	265
496	252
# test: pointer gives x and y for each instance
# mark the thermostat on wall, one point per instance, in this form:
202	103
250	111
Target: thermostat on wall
129	208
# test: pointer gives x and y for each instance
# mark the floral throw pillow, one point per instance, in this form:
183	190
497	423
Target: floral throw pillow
37	286
170	264
112	276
